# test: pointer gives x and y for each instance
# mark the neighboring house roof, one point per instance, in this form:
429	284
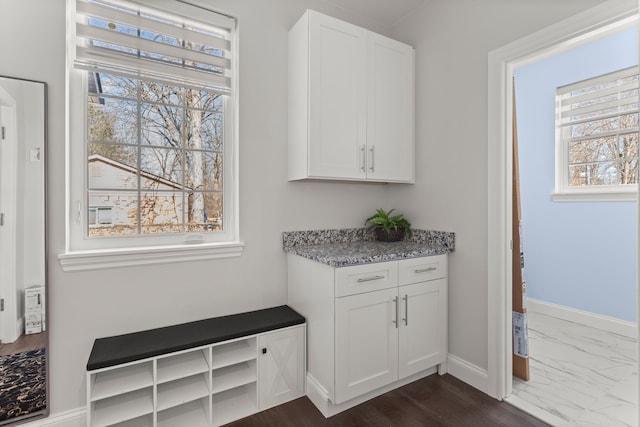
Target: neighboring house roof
125	167
94	86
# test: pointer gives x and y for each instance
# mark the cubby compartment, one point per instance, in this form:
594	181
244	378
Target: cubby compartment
182	365
181	391
122	408
234	403
144	421
233	352
192	414
113	382
233	376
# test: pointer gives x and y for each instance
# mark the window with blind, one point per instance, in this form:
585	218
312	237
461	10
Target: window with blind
157	91
154	81
597	134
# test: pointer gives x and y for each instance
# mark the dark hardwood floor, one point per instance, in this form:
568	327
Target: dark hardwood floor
432	401
24	343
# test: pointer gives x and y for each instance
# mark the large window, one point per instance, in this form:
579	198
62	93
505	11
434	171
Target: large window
153	160
597	135
159	152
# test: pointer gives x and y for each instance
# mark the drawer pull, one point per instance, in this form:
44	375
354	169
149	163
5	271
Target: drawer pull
425	270
369	279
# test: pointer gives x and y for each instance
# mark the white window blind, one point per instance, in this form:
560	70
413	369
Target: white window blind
134	40
597	121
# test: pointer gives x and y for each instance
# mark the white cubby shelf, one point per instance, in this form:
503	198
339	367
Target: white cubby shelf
198	385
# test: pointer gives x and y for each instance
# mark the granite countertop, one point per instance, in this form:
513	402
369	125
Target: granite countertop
345	247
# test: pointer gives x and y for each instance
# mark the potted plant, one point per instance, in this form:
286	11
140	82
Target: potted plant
389	228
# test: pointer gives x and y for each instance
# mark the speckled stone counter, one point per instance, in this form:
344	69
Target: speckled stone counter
354	246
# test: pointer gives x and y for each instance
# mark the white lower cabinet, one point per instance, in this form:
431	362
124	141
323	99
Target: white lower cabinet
422	339
367	347
281	366
387	335
205	386
369	326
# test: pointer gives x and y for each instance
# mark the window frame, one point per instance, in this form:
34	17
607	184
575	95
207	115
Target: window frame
597	193
85	253
97	210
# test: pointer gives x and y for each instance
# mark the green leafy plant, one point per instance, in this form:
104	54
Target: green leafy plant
384	222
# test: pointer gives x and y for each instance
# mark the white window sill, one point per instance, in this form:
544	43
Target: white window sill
591	196
113	258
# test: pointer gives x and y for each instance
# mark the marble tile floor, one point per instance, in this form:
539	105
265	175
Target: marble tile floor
580	376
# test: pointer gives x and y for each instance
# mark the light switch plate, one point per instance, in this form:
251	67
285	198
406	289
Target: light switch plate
34	155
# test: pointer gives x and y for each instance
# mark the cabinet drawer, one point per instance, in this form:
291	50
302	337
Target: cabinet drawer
358	279
417	270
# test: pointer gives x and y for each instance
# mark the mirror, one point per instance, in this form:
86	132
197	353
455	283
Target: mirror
23	326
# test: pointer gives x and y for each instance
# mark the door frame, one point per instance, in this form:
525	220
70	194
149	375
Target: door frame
10	326
563	35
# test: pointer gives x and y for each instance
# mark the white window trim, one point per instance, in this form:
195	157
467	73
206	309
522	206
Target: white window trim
601	193
82	253
111	258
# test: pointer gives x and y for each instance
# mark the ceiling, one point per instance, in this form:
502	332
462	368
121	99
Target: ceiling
386	12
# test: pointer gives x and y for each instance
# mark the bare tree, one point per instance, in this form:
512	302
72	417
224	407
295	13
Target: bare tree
605	150
169	132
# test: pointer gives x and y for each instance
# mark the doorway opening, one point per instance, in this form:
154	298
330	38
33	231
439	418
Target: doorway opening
600	20
579	241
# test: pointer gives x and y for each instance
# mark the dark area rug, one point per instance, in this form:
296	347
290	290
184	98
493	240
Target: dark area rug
23	384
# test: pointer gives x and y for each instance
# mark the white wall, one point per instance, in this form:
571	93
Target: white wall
452	41
88	305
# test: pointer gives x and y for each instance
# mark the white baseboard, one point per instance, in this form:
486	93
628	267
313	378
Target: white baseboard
593	320
74	418
319	396
468	373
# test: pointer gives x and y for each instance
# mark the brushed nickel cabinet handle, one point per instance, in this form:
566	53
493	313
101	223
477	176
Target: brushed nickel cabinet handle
406	310
395	301
424	270
371	164
369	279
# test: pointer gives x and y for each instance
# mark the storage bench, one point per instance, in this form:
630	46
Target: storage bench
203	373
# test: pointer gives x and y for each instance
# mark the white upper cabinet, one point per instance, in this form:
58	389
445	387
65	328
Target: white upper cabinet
351	103
337	98
390	110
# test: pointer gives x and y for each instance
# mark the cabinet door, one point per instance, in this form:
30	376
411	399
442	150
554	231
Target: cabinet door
366	343
423	326
337	98
390	110
281	366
